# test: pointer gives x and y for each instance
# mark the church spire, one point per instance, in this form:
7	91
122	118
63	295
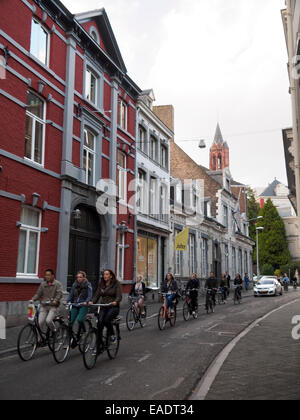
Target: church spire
219	152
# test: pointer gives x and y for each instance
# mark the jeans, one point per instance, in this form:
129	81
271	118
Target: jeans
47	315
106	316
170	301
194	300
79	314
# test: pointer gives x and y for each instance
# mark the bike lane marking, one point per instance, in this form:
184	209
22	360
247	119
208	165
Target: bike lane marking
214	369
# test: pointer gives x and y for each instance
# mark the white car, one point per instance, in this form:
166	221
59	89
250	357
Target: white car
268	286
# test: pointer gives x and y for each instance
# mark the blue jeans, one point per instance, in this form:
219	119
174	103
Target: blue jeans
170	301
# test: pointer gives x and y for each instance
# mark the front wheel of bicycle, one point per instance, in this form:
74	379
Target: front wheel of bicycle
27	343
61	344
173	317
143	318
130	319
90	353
162	319
186	311
113	343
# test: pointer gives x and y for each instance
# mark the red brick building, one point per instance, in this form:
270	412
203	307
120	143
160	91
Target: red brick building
67	121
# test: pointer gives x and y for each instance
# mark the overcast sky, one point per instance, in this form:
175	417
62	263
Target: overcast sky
214	60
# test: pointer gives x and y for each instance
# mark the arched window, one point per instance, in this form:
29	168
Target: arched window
219	162
94	35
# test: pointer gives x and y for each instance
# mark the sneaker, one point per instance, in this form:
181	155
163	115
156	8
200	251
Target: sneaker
113	339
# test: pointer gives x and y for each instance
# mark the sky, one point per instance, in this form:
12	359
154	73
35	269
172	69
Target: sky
215	61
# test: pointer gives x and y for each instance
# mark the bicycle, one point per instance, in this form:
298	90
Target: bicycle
32	337
134	315
220	297
295	285
163	315
237	295
210	302
188	310
65	338
90	346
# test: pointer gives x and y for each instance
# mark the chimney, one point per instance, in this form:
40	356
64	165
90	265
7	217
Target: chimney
166	114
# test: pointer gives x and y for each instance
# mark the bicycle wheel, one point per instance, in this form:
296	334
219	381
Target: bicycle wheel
113	346
196	312
173	317
50	335
143	319
88	327
162	319
130	319
27	342
186	311
90	353
61	344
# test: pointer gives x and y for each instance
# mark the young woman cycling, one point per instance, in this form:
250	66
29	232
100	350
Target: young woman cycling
139	291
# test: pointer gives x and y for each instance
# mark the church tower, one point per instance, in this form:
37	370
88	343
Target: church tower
219	152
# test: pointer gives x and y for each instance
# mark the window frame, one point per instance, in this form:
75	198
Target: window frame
122	121
43	122
28	230
121	249
47	63
89	152
122	172
87	90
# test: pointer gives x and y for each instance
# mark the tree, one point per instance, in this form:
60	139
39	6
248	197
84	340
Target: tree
273	245
267	270
253	212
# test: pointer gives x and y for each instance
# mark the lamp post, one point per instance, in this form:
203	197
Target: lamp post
257	251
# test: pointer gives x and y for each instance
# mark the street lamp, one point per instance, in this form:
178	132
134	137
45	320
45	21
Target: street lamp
257	252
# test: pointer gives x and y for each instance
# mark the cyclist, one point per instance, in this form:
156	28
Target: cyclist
295	281
50	294
211	285
170	285
238	282
139	291
286	282
223	286
192	288
110	292
81	294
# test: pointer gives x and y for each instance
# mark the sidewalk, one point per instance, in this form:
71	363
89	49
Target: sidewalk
10	344
265	364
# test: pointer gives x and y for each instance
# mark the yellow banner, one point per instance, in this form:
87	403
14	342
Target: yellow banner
181	240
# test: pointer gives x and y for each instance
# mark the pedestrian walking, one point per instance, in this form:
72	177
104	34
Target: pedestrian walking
247	282
228	280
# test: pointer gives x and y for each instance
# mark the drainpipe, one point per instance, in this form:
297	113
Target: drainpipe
136	186
294	95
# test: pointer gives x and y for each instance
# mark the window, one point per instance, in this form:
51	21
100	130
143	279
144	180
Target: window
178	258
164	157
153	148
153	197
192	254
35	129
246	263
163	203
142	188
142	144
234	226
29	242
122	115
121	256
179	193
91	87
204	257
240	262
225	216
89	155
39	42
122	177
95	35
226	259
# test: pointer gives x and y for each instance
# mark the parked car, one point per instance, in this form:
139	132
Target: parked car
268	286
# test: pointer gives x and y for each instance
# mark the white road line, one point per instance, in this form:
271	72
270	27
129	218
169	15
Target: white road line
175	386
113	378
211	374
143	359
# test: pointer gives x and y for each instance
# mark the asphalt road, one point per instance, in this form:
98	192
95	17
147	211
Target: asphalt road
151	365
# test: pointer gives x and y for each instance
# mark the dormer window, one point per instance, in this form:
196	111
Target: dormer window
95	35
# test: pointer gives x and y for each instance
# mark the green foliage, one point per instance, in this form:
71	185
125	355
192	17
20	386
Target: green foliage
273	245
267	270
290	268
253	212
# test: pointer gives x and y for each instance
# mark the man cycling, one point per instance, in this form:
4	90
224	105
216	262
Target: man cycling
50	294
211	285
286	282
238	284
192	288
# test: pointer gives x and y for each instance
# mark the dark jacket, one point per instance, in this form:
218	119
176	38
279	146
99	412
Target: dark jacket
193	284
211	283
238	281
173	287
133	292
80	293
110	294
